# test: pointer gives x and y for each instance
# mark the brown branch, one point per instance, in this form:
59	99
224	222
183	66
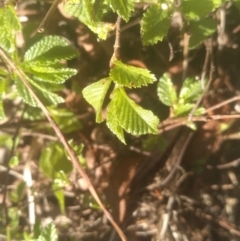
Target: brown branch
174	123
70	151
235	98
116	47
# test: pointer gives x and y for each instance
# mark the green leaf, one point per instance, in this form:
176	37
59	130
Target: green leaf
124	113
9	25
190	90
113	121
82	10
65	119
59	194
24	93
49	233
182	108
101	29
90	14
122	7
155	24
200	30
51	75
45	95
53	160
50	49
95	95
129	76
166	91
195	9
13	162
18	193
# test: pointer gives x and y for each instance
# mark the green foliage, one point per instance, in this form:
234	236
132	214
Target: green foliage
200	30
44	70
9	25
184	103
166	91
124	113
122	7
17	194
65	119
13	162
195	9
53	160
44	65
95	95
54	164
155	24
90	14
48	233
129	76
57	187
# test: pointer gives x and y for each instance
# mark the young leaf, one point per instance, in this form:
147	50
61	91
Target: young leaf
51	75
13	162
83	9
182	108
53	160
59	194
101	29
50	49
195	9
9	25
166	91
95	95
190	90
155	24
48	233
18	192
129	76
125	113
122	7
89	15
200	30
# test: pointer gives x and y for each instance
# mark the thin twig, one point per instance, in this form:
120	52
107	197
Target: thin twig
116	46
235	98
174	123
11	172
178	161
231	164
206	87
126	26
206	62
69	150
47	17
